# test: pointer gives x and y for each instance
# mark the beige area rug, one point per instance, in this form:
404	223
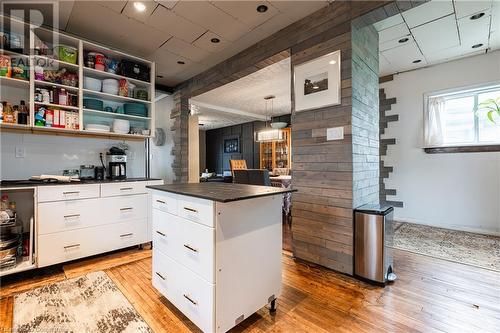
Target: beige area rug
459	246
90	303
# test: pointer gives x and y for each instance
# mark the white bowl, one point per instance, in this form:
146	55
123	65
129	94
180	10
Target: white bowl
278	125
110	82
110	90
97	128
92	84
121	126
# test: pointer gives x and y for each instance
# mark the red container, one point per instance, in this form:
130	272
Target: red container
100	61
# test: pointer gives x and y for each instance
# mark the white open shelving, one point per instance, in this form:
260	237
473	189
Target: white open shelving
25	89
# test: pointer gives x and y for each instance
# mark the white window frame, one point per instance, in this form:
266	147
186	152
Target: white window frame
457	93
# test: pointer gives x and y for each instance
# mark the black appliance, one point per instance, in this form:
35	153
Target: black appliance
135	70
117	163
99	173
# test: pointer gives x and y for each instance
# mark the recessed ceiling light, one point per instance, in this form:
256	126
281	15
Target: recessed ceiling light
477	16
180	62
159	76
139	6
262	8
215	40
416	61
477	45
403	40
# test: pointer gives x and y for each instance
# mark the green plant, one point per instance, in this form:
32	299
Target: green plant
492	107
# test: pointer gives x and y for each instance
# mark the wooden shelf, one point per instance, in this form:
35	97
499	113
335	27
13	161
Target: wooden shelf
14	127
97	74
66	107
58	85
19	83
59	62
115	98
115	115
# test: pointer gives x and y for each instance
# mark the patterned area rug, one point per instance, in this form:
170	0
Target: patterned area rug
90	303
459	246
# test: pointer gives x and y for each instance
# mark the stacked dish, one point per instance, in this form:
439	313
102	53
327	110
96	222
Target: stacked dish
97	128
121	126
110	86
135	109
92	103
92	84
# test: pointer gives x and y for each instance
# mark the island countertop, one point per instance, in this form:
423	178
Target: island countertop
221	192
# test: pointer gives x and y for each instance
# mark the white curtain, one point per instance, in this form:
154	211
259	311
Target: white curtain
434	129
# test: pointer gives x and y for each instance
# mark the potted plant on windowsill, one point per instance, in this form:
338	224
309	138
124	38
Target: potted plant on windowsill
492	108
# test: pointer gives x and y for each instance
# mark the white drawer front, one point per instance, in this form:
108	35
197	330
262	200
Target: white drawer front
69	245
196	210
165	201
124	208
122	188
189	243
67	192
192	295
68	215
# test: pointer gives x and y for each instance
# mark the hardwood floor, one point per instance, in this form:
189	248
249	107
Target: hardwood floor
430	295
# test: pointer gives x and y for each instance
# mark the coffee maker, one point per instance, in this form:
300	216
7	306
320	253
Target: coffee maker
117	163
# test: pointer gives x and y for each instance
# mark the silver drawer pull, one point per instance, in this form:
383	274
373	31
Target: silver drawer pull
126	188
190	248
161	276
190	299
126	208
71	192
160	233
73	216
71	246
191	209
126	235
160	201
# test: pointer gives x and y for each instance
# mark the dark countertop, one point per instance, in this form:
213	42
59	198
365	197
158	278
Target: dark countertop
221	192
24	183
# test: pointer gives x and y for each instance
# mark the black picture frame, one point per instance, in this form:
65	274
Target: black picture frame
232	145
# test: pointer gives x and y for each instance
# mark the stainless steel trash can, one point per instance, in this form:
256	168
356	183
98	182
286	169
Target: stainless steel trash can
373	238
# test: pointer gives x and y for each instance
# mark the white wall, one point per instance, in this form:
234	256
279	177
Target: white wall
458	191
48	154
161	158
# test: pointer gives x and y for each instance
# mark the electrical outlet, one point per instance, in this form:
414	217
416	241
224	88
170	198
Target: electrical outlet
20	152
335	133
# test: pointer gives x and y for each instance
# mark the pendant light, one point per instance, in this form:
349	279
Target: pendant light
269	134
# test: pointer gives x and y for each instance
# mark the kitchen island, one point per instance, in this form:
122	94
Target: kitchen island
217	250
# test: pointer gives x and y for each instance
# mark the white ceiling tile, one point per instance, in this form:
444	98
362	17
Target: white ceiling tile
385	67
394	32
207	15
204	42
402	57
167	62
437	35
296	10
394	43
495	40
452	53
467	7
389	22
495	16
246	11
427	12
474	31
182	48
175	25
167	3
131	12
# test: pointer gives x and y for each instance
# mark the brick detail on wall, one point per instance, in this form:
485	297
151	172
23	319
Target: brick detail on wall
180	114
385	105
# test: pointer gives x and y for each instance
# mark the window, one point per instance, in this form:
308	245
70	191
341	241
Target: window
454	118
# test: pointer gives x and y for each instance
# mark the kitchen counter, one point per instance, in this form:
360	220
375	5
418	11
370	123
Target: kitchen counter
27	182
221	192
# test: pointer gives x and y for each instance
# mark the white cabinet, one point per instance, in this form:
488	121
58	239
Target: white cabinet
218	263
76	221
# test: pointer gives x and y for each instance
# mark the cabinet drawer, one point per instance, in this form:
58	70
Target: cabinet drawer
68	215
196	210
69	245
192	295
165	201
124	208
122	188
67	192
189	243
